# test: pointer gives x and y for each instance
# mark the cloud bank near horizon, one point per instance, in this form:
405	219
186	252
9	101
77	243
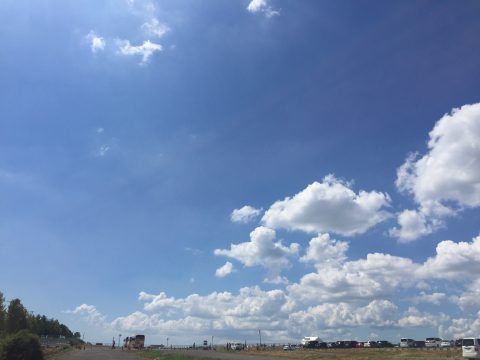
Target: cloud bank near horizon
343	294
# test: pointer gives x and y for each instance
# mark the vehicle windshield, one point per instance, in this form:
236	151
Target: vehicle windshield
468	342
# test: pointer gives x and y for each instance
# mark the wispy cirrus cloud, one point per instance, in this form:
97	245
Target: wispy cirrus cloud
145	51
154	27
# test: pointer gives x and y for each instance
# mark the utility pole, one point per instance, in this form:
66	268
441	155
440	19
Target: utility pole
167	342
260	335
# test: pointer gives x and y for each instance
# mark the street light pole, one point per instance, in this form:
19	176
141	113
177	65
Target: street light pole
211	344
167	342
260	335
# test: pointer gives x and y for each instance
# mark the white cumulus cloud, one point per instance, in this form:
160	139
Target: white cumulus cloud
91	313
263	6
412	225
97	43
414	318
245	214
375	277
323	250
433	298
446	179
224	270
261	250
454	261
329	206
342	295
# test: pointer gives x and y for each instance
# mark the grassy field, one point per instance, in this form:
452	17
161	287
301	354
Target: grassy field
366	354
161	355
335	354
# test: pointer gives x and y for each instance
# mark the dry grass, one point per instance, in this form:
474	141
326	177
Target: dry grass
364	354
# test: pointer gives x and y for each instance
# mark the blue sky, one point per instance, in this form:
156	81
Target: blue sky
189	169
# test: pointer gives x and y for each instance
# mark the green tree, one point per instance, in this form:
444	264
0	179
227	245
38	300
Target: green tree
16	317
3	314
21	346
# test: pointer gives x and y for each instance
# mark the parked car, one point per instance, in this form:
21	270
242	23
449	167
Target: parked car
446	343
433	342
471	348
237	346
351	344
384	344
287	347
322	345
419	344
370	344
405	343
331	345
458	342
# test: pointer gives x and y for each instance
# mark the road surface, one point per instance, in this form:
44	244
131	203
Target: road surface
105	353
98	353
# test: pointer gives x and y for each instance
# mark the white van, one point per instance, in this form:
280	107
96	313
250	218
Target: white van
471	348
433	342
406	343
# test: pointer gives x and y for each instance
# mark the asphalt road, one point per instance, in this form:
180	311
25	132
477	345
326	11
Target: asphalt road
105	353
98	353
220	355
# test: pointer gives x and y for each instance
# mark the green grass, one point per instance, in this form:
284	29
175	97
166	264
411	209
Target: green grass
162	355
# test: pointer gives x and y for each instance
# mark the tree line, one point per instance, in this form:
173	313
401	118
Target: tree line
15	318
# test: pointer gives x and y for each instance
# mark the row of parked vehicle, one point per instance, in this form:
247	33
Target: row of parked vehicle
349	344
430	342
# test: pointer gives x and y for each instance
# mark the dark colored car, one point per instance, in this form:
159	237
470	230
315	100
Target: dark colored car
458	343
331	345
340	344
322	345
384	344
419	344
351	344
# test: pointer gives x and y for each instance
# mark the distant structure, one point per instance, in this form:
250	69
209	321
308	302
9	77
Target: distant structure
134	342
311	341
